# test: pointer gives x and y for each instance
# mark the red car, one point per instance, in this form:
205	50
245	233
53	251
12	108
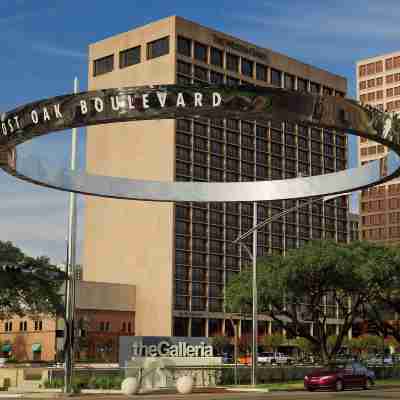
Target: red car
339	376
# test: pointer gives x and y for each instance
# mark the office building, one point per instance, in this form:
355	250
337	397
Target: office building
378	85
181	256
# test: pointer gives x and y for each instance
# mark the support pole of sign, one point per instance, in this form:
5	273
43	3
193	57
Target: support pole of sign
71	262
255	325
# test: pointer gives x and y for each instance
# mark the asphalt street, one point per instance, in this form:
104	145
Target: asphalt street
302	395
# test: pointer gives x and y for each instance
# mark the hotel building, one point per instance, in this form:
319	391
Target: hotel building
378	84
181	256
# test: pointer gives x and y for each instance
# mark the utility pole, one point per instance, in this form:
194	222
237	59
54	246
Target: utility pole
71	262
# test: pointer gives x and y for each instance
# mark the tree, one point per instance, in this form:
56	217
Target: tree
292	290
274	341
28	286
220	344
385	302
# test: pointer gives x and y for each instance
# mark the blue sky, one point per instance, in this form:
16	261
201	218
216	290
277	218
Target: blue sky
44	45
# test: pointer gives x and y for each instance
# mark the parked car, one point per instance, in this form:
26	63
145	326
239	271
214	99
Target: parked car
380	358
227	358
273	358
339	376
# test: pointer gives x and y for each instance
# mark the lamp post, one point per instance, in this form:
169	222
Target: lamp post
71	261
253	257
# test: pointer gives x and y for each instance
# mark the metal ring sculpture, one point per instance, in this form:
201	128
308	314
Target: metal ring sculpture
172	101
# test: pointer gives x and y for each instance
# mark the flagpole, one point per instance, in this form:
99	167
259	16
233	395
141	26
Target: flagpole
71	290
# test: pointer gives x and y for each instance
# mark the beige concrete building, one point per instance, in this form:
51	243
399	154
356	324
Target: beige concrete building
180	256
378	84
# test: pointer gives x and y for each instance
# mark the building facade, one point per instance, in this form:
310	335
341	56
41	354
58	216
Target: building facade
378	85
354	227
104	312
181	256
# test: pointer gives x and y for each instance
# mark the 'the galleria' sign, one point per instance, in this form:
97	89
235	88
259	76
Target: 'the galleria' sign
158	346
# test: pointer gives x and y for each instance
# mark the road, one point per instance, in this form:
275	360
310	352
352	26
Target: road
377	394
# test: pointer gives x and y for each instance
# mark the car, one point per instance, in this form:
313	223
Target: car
379	359
273	358
227	358
339	376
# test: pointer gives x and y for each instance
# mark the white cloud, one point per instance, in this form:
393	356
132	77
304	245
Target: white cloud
58	51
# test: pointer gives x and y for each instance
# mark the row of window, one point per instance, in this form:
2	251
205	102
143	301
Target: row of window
371	150
238	65
247	132
371	96
376	191
378	205
105	326
393	105
370	83
374	234
131	56
370	68
23	326
376	219
377	66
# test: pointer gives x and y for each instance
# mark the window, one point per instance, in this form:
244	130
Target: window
232	62
101	327
38	325
103	65
247	67
301	85
379	94
184	46
363	85
23	326
200	52
389	63
232	81
389	92
8	326
276	77
379	81
362	70
216	77
261	72
371	83
289	82
184	68
201	73
371	68
315	88
389	78
129	57
216	57
158	48
379	66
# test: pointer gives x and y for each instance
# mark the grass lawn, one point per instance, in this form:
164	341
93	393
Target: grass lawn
299	385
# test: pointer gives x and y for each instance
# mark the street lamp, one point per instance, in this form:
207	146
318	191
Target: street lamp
253	258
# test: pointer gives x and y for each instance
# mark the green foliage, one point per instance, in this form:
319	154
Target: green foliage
273	341
292	289
28	286
219	343
305	345
100	382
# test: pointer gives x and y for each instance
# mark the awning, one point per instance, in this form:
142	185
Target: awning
36	348
6	348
